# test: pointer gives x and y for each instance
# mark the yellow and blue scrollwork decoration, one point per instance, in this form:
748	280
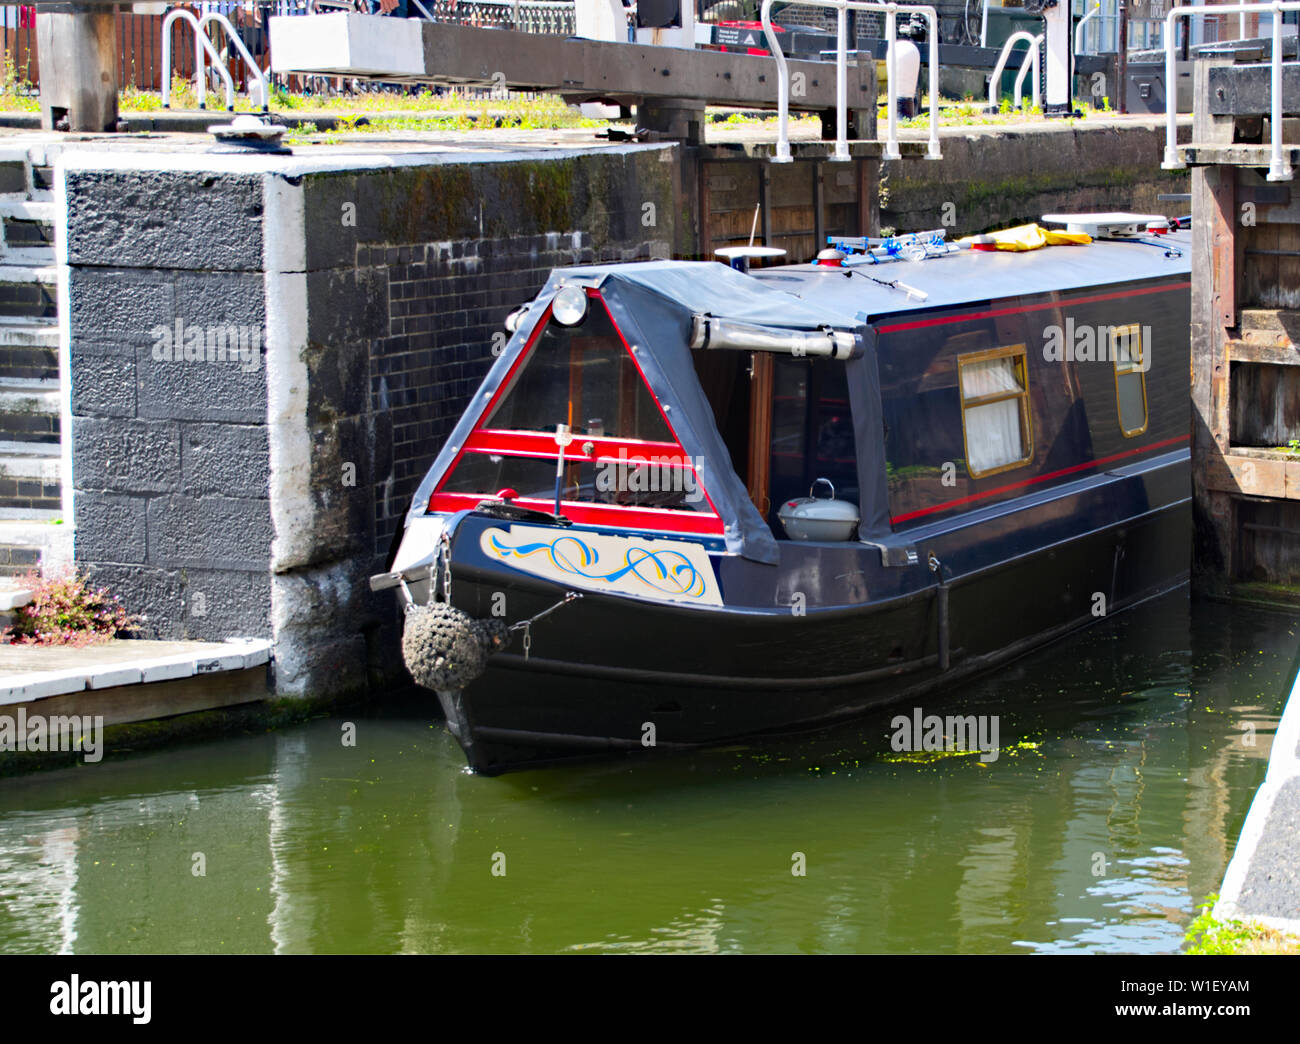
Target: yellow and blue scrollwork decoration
660	569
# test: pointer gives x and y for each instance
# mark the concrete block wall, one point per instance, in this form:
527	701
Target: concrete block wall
996	177
254	497
155	437
173	507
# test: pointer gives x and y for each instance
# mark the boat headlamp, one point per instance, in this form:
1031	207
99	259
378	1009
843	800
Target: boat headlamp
569	305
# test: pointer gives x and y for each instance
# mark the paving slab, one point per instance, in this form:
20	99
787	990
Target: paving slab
33	672
1263	879
1272	884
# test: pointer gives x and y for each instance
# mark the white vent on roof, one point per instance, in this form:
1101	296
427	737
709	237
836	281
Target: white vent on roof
733	252
1116	224
739	257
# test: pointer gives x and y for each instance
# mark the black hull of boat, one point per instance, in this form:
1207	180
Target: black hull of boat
604	673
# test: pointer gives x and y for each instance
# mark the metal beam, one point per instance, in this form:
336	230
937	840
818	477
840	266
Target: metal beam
373	46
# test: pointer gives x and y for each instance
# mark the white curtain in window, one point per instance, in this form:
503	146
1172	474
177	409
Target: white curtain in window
993	430
990	377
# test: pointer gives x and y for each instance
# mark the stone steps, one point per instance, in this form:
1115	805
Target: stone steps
29	349
27	545
30	410
19	177
27	171
30	486
13	596
31	495
28	231
30	420
14	167
16	560
28	291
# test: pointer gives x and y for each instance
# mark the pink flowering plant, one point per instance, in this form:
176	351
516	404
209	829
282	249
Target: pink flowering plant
67	610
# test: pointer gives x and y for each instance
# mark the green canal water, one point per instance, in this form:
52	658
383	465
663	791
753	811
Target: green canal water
1125	771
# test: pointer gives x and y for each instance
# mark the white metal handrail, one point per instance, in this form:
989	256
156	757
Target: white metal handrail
995	81
1078	29
842	8
234	37
1030	64
1279	168
201	44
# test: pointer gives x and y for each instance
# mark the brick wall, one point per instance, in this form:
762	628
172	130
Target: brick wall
446	301
439	256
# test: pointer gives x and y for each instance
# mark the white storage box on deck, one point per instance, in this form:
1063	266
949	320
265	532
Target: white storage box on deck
819	518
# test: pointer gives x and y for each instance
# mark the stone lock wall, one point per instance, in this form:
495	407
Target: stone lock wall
266	354
996	177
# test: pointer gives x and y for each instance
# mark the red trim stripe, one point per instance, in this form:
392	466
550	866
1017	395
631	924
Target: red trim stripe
516	366
486	411
991	313
629	461
542	444
695	523
1037	479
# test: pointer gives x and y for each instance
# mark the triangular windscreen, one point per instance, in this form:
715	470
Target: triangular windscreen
581	376
625	466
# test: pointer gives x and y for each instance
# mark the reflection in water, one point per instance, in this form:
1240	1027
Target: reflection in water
1125	772
39	888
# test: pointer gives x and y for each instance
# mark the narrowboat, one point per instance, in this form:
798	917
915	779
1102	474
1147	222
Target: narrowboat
692	504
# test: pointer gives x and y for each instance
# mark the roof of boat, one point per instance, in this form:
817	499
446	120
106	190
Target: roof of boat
848	297
973	276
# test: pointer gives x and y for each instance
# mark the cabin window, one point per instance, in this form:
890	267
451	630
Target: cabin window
581	376
624	467
1129	354
995	410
